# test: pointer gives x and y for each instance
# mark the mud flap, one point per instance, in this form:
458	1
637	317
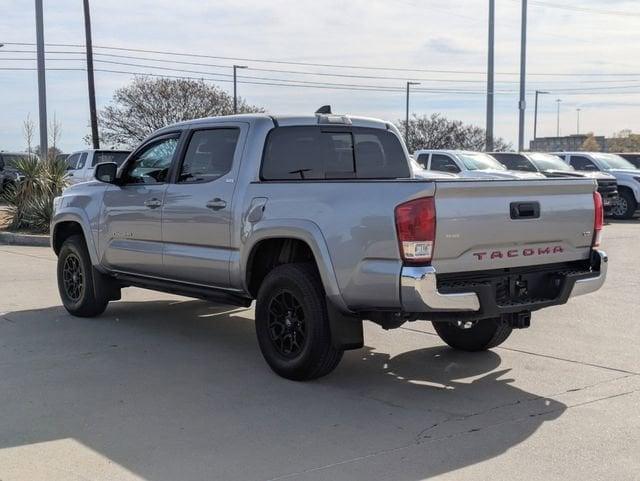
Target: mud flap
105	285
346	330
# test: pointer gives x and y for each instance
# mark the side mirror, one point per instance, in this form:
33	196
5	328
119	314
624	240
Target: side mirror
106	172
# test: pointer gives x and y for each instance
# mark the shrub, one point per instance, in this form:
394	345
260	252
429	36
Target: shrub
30	199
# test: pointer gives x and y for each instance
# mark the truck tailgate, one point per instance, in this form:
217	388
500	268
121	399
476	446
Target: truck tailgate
484	225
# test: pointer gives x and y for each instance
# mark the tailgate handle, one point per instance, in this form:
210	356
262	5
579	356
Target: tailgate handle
525	210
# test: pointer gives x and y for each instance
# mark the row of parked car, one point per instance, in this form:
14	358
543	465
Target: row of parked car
617	175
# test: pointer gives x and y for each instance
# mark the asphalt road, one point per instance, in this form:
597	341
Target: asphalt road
165	388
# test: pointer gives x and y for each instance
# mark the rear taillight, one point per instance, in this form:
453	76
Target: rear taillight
416	226
598	219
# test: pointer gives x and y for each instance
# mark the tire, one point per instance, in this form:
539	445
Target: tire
625	206
292	323
480	336
75	280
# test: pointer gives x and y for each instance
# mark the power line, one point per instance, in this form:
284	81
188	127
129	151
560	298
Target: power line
294	72
573	8
311	64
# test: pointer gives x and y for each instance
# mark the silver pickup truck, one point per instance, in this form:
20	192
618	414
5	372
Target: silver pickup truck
320	220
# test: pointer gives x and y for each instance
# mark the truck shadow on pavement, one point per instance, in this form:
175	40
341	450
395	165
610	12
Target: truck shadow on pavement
179	390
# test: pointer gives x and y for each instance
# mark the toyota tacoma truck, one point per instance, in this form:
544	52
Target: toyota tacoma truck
320	220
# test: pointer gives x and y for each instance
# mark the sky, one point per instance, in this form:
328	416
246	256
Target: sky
572	44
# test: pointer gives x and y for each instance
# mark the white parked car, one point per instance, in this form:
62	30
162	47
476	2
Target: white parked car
82	163
627	175
472	165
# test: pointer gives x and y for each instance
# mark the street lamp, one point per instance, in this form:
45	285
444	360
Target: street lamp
406	125
535	114
558	121
235	87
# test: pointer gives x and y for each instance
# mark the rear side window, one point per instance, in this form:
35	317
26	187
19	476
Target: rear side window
109	156
308	153
423	160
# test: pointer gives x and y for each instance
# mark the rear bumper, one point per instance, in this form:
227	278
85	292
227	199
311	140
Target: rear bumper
490	294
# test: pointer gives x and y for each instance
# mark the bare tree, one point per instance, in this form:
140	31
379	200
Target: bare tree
55	133
29	131
438	132
624	141
590	144
147	104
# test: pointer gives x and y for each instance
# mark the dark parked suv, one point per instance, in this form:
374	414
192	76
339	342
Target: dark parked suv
8	172
553	166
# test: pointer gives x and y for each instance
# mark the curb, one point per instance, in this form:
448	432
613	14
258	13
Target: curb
17	239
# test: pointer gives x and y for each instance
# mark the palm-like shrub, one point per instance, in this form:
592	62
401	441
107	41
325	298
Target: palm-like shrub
30	199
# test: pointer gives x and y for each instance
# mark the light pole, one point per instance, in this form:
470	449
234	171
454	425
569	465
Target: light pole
235	87
522	105
42	85
490	75
578	126
535	114
558	121
406	123
90	81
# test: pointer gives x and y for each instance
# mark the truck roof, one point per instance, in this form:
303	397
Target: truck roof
287	120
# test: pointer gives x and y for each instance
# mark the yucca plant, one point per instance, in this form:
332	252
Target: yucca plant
30	199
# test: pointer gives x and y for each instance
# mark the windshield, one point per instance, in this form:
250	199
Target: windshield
613	161
478	161
549	162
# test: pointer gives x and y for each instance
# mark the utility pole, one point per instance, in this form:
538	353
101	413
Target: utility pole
92	87
42	85
235	88
558	121
490	76
522	105
406	124
578	126
535	114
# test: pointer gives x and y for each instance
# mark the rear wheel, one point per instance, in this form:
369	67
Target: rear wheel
75	280
625	206
473	335
292	323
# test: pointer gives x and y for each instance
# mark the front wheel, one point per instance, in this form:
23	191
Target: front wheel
75	280
625	206
473	335
292	323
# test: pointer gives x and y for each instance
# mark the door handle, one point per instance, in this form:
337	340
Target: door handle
153	203
216	204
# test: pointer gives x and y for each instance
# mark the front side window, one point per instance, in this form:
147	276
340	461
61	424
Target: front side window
151	165
579	162
443	163
307	153
209	155
82	161
550	162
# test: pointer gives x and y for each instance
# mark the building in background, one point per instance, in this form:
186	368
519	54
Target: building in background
570	143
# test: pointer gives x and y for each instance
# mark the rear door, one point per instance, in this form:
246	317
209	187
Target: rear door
132	212
500	224
198	206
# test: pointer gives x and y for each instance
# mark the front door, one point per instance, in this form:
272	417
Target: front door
133	210
197	210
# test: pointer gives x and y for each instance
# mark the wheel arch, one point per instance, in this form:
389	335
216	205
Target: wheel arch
299	239
72	223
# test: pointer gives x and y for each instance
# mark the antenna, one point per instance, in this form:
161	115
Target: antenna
325	109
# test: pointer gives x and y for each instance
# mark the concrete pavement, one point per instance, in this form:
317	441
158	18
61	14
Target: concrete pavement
165	388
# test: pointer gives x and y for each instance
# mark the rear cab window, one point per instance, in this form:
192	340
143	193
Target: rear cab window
322	153
103	156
